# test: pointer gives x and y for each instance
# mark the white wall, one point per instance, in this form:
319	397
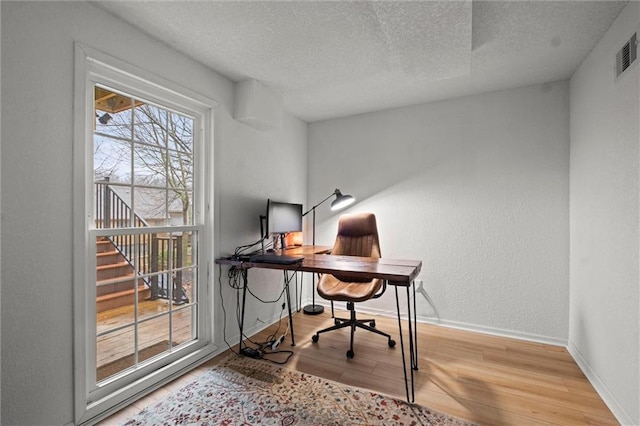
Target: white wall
477	188
37	81
604	315
0	230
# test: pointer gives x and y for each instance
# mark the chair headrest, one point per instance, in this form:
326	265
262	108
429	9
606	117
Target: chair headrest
356	224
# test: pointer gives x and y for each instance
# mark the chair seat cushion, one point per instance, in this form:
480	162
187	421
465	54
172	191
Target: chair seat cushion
332	288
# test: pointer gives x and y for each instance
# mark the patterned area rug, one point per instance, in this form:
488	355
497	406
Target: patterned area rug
245	391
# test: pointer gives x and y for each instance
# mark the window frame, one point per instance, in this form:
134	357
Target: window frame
94	67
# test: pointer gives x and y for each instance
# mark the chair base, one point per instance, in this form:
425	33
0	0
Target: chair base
354	323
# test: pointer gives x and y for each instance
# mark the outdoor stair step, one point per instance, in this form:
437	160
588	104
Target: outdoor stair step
103	245
121	278
113	270
112	266
115	285
121	298
108	257
141	289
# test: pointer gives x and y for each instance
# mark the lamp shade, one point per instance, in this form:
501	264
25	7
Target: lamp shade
341	201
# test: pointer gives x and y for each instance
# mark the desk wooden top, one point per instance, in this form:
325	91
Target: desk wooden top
396	271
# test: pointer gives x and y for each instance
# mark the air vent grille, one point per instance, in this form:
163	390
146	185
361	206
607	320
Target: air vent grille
626	56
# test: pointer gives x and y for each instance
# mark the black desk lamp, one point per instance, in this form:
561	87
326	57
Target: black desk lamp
340	202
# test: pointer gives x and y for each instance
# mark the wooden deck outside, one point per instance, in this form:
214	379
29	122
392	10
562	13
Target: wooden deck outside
153	331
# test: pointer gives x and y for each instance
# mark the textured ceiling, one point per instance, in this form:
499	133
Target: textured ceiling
338	58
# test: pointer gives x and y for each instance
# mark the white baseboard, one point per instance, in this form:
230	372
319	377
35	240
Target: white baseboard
493	331
621	415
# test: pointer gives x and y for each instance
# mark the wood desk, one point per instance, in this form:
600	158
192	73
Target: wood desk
396	272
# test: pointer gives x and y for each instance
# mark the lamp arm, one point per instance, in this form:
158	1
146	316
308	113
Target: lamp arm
314	207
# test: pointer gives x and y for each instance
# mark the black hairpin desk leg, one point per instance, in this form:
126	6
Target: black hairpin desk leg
414	365
244	299
413	342
287	279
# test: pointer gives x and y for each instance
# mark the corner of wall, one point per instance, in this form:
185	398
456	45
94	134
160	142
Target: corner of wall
604	221
600	387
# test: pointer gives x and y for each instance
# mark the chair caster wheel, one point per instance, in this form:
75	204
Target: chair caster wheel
372	324
315	338
350	354
392	343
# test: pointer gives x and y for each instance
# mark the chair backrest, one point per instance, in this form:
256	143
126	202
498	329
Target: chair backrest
357	236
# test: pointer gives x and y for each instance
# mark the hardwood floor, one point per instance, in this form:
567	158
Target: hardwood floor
486	379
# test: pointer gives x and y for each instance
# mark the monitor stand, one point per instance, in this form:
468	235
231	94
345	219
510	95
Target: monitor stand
263	235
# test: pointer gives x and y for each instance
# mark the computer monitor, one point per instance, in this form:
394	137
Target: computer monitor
283	218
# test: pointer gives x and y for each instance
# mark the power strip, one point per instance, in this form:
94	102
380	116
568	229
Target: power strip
276	343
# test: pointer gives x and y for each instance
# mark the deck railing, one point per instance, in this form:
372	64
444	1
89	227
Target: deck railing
160	258
148	253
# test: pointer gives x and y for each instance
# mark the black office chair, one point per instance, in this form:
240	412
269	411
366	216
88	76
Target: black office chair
357	236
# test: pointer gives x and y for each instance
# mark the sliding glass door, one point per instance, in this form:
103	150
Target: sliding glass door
143	223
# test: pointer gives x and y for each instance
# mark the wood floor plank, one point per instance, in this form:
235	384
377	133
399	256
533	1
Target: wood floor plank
534	364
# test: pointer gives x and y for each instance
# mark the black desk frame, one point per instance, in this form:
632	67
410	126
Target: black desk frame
411	316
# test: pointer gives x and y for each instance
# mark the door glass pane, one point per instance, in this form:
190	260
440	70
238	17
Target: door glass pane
150	165
161	292
187	279
115	352
183	329
180	165
111	160
112	113
154	337
150	206
180	133
186	274
150	125
181	208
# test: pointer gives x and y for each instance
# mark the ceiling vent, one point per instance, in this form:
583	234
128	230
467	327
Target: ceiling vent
626	56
